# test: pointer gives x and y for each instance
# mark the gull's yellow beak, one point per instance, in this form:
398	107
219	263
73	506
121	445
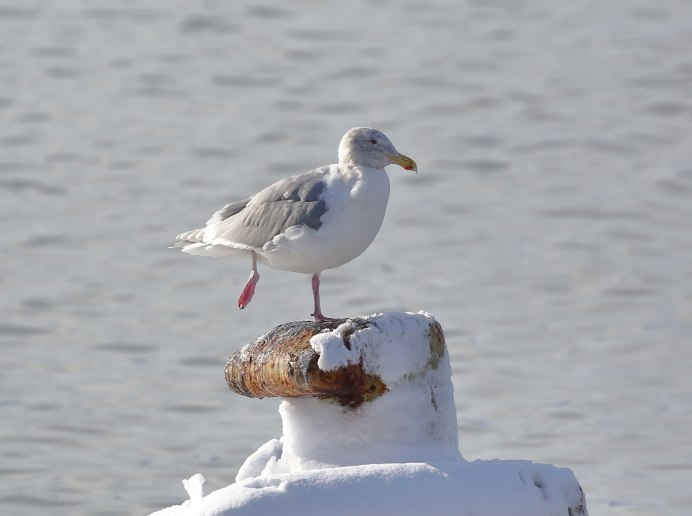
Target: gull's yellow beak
403	161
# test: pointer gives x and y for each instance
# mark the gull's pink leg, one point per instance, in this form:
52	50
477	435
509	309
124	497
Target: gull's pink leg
317	314
249	289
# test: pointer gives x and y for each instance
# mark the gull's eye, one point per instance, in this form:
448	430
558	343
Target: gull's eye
373	141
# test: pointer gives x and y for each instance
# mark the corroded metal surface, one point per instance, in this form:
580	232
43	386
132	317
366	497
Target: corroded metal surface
283	363
437	344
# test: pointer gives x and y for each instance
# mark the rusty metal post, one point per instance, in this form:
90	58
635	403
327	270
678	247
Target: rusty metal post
283	363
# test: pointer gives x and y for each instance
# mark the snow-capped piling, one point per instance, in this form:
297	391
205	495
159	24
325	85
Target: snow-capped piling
382	384
318	359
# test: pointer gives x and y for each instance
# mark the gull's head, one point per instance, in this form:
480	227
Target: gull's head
367	147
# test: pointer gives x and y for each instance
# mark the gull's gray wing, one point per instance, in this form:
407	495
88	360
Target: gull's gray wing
251	223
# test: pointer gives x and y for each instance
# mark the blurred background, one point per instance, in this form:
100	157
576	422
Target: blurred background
549	230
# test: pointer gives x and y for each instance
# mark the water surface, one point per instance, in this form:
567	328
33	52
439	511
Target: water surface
549	230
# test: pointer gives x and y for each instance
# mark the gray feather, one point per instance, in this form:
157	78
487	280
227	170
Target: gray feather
228	211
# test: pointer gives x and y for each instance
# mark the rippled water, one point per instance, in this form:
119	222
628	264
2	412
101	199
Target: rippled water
549	230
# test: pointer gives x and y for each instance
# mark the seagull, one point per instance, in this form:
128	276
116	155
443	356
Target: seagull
309	222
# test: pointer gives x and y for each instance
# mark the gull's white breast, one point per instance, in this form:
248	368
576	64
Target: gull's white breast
356	201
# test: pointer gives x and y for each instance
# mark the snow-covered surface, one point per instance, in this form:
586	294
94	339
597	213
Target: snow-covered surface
488	488
397	454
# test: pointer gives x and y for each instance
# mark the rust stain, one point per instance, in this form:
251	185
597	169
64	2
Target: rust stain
437	344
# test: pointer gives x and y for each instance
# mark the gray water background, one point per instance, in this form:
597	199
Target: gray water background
549	230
